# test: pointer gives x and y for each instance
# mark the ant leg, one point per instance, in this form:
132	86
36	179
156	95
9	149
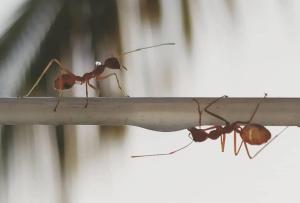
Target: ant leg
95	88
247	150
124	67
45	70
236	152
164	154
223	139
254	112
256	108
87	95
213	114
58	99
265	145
112	74
199	111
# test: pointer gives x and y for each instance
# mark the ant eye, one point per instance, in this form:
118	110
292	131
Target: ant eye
98	63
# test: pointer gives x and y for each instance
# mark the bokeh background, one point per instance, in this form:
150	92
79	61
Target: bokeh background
234	47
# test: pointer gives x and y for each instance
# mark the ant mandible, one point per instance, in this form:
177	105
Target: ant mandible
67	79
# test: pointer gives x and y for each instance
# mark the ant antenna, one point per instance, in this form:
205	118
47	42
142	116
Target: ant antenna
284	129
139	49
164	154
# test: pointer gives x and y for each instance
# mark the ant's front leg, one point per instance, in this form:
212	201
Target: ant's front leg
87	93
95	88
109	75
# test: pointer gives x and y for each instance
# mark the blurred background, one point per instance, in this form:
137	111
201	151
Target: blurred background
234	47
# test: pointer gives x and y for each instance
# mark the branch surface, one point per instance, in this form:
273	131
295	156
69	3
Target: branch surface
160	114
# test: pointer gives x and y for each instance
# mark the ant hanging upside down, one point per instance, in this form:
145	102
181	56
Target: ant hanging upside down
251	133
67	79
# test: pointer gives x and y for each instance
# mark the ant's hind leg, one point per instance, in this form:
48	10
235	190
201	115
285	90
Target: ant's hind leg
247	150
62	68
265	145
58	99
236	151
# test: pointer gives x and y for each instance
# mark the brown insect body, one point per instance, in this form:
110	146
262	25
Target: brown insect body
112	63
250	133
67	79
64	81
255	134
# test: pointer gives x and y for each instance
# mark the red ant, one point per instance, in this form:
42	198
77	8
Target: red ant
251	133
198	135
67	79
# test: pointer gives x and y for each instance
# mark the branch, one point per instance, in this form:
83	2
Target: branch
161	114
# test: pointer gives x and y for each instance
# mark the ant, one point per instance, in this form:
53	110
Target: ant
196	135
251	133
67	79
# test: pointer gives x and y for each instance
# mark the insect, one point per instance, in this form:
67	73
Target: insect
251	133
66	79
196	135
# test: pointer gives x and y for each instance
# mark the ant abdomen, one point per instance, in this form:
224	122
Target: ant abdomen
64	81
255	134
112	63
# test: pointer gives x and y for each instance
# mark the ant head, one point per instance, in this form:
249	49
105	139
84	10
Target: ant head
98	63
64	81
113	63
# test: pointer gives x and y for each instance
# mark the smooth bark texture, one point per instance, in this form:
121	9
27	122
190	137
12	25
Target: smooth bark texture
161	114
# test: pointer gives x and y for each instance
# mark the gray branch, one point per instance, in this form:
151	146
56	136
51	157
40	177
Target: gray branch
161	114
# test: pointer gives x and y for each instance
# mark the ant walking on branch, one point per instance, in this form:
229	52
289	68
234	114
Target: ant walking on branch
251	133
67	79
